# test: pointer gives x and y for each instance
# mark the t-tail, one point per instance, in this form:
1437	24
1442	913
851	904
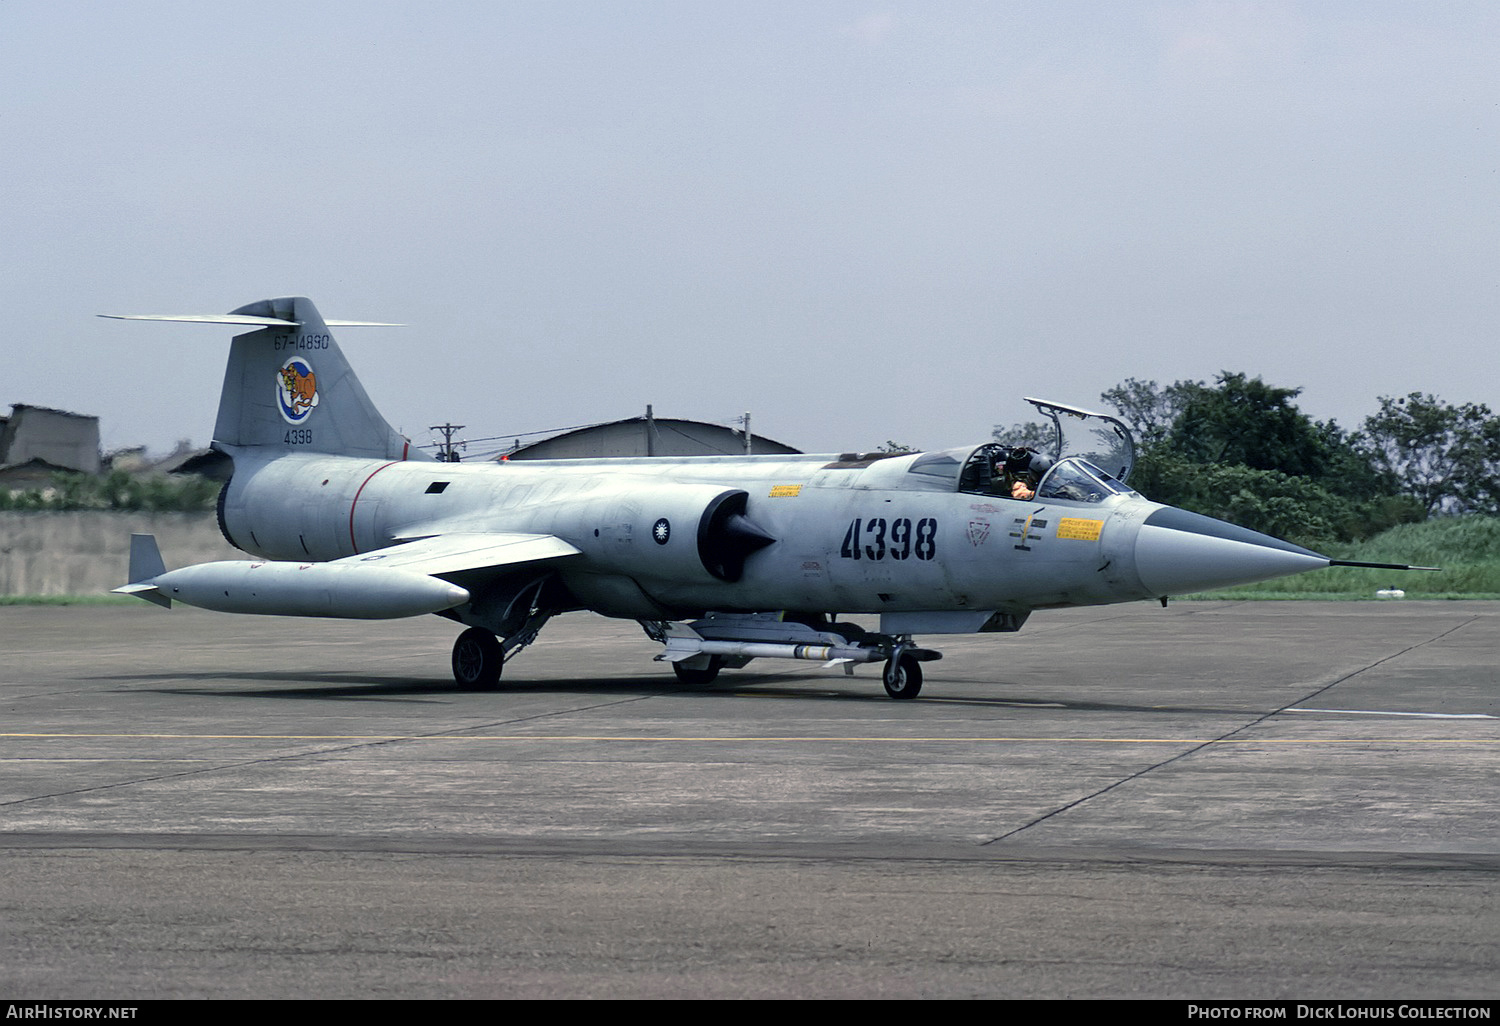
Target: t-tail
288	387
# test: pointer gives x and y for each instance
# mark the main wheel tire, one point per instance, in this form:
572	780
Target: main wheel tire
477	659
687	675
902	677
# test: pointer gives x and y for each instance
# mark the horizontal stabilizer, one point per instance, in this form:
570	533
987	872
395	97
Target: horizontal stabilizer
453	553
243	320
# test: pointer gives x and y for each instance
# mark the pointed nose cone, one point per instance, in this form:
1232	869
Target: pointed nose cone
1178	552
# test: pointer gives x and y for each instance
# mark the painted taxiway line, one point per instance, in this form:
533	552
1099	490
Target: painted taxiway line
1382	712
751	738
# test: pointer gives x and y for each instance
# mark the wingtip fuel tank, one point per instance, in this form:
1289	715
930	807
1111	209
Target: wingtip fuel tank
280	588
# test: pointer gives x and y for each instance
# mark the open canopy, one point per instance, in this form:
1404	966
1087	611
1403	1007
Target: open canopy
1098	438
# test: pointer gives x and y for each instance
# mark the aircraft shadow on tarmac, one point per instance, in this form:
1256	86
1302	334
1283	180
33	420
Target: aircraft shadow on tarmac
365	687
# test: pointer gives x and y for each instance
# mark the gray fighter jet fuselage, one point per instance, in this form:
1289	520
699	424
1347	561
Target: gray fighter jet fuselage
722	559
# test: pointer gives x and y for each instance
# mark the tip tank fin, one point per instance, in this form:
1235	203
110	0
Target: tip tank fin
145	566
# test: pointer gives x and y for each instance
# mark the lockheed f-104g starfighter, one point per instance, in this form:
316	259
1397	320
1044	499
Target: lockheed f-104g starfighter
721	559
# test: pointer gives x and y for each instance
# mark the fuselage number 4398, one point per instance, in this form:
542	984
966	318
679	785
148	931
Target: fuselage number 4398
876	538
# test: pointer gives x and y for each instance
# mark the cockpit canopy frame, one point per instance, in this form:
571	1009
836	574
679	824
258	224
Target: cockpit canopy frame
1089	458
979	472
1102	440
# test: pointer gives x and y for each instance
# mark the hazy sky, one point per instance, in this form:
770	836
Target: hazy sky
859	221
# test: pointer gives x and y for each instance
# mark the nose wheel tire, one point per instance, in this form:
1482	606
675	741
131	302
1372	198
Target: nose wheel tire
477	659
902	677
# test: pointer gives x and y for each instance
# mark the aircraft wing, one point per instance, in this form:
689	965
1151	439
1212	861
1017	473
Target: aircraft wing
453	553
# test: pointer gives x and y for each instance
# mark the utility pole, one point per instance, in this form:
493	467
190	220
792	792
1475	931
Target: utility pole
449	452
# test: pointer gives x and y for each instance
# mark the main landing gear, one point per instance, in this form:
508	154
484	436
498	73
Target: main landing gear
477	659
902	676
479	654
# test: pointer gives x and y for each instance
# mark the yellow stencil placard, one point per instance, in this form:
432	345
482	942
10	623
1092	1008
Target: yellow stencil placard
785	491
1078	529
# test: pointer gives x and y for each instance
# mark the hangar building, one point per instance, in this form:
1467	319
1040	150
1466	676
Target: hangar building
648	436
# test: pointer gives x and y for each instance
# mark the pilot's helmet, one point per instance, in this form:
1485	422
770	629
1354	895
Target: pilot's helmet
1040	465
1019	459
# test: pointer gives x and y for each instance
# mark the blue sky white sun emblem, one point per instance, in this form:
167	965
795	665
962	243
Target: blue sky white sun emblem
661	531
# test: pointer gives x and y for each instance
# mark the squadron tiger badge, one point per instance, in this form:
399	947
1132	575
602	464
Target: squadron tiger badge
296	390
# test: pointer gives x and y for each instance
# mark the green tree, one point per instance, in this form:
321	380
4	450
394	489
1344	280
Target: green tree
1031	433
1247	422
1149	409
1446	457
118	490
1242	451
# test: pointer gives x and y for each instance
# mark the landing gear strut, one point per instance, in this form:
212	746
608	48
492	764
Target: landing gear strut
479	654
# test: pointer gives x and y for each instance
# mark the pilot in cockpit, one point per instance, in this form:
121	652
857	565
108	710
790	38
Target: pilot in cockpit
1016	470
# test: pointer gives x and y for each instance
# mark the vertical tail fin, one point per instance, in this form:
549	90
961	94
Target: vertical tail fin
288	386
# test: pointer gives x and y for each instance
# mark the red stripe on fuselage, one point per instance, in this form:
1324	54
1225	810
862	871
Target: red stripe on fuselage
355	501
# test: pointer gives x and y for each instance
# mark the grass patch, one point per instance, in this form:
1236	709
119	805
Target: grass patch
1242	595
1466	548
